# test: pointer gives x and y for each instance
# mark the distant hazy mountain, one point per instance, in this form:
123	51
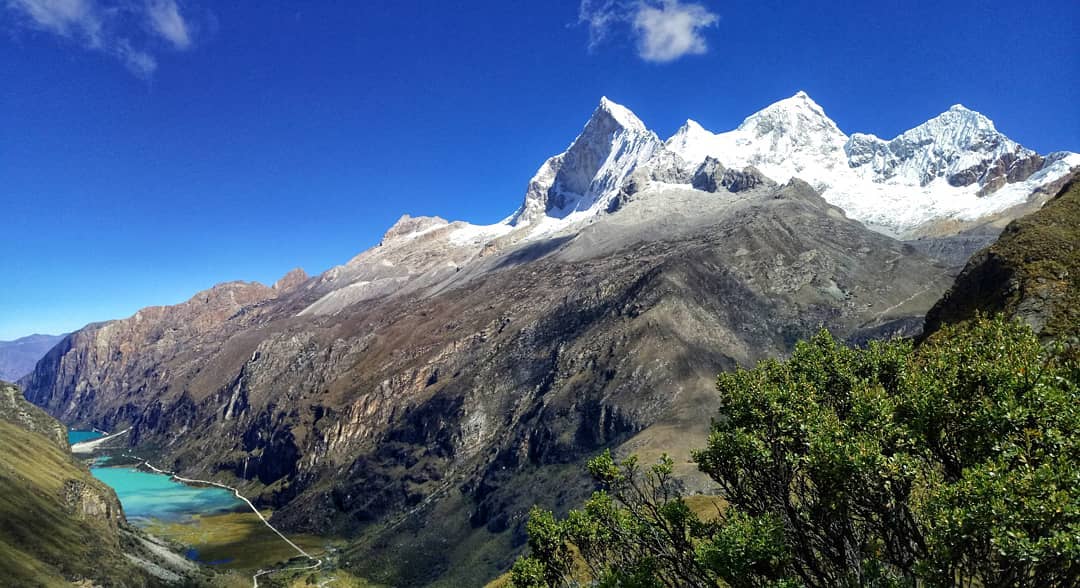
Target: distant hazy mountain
422	396
17	358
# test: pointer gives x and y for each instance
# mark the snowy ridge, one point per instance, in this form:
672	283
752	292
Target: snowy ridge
944	146
792	137
590	172
954	166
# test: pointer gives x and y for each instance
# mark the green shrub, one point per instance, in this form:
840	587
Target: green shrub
954	463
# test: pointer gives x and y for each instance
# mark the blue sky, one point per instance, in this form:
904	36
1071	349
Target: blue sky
152	148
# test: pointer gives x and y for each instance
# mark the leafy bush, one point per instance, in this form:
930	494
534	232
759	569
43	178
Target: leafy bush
954	463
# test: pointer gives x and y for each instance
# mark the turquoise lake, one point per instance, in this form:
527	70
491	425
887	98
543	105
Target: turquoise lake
146	495
80	436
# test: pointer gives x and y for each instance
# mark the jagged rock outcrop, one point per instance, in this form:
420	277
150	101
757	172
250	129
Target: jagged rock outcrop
293	279
409	227
16	410
746	179
708	175
712	176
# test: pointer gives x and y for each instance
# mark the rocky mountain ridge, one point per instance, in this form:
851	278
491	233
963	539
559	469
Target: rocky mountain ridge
1032	272
956	166
420	397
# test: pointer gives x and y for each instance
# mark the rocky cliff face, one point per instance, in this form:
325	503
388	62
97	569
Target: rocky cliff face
183	335
421	397
469	397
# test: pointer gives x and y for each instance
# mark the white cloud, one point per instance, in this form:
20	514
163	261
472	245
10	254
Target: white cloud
166	21
128	30
77	19
672	30
139	62
664	30
601	16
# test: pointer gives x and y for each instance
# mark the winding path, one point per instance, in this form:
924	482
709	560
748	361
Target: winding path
904	301
262	572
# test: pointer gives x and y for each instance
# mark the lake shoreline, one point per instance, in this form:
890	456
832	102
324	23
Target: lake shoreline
212	523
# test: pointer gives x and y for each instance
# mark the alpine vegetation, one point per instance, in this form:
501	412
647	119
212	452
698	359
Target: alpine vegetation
950	463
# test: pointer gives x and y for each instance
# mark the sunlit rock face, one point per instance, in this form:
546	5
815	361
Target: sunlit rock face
432	388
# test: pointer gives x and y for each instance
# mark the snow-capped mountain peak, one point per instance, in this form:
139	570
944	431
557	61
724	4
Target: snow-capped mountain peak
621	114
956	165
791	137
960	145
589	173
691	142
691	125
797	114
958	126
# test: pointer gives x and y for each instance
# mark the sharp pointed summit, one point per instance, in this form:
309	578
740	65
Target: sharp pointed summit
691	125
589	173
619	113
690	142
959	115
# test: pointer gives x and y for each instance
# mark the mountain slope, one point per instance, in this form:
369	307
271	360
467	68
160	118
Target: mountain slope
57	523
467	395
1031	272
17	358
420	397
